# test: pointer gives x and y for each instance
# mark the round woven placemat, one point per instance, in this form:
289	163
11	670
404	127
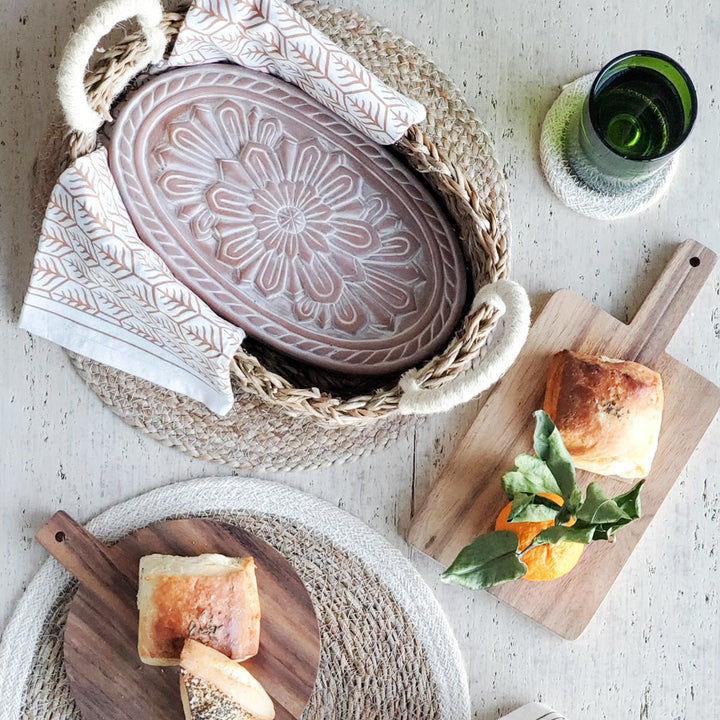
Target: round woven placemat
387	651
255	434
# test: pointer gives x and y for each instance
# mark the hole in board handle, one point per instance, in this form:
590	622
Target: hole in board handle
60	536
694	261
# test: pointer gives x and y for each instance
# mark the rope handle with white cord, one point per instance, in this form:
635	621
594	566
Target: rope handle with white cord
80	116
512	302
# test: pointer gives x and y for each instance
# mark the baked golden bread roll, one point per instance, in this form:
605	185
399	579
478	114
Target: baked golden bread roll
210	598
213	687
608	412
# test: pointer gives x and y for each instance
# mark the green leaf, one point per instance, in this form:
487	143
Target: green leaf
530	475
519	503
605	532
561	532
532	508
628	505
489	559
550	447
598	508
515	483
544	427
564	516
629	502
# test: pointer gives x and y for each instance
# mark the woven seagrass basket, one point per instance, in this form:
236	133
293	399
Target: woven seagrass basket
478	212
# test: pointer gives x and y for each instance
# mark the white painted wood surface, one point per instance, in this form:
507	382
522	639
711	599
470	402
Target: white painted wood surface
653	650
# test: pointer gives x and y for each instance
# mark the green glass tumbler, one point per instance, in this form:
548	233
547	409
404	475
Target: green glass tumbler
639	111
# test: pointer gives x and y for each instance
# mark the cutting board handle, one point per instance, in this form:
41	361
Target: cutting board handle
664	308
87	558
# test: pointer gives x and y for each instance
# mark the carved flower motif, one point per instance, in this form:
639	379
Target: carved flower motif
291	218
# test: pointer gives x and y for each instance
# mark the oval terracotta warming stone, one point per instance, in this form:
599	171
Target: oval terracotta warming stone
288	222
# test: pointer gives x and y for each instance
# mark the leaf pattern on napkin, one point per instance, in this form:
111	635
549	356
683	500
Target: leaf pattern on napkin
92	269
269	36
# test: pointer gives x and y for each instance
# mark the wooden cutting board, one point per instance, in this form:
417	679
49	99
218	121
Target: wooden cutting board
467	496
106	677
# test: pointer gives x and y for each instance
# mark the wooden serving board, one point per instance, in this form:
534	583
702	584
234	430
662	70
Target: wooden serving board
467	497
106	677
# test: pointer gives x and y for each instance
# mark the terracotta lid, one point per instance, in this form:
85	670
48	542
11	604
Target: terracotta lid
287	221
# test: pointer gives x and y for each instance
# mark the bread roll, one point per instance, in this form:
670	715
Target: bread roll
210	598
608	412
213	687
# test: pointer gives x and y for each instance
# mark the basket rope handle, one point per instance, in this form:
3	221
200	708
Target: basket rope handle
512	302
80	116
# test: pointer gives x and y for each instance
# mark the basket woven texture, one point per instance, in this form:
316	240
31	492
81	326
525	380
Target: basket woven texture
387	650
275	425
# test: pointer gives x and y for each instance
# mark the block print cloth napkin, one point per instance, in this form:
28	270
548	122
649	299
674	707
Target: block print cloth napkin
98	290
534	711
269	36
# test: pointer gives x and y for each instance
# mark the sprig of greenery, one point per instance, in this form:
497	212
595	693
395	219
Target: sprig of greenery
488	560
495	557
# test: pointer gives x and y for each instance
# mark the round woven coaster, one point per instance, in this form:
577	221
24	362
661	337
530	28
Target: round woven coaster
255	434
568	186
387	650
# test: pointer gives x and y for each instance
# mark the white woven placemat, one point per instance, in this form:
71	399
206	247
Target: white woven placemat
388	652
566	184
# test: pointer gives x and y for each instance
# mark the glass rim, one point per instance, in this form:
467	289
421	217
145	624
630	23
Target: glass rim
681	71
